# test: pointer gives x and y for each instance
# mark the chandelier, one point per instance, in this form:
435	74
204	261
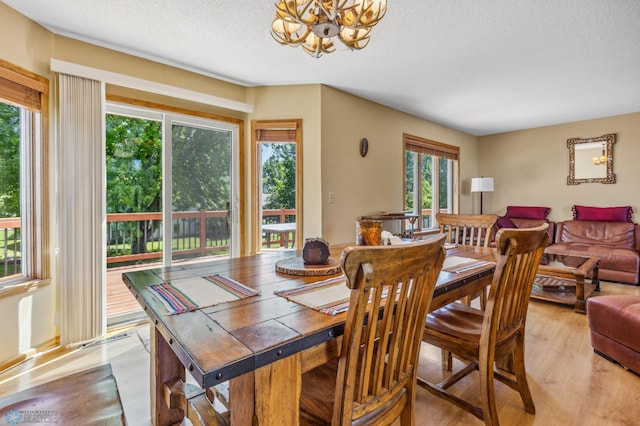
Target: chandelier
597	161
313	24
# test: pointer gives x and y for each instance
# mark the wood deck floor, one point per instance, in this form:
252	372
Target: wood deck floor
119	299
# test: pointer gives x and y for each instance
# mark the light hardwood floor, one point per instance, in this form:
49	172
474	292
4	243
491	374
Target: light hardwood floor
570	384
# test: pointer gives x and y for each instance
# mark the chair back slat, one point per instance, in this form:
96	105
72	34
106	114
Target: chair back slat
391	289
467	229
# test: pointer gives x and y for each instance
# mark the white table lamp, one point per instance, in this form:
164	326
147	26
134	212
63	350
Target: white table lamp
481	184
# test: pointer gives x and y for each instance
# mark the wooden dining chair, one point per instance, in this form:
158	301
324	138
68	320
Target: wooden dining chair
471	230
373	381
467	229
497	333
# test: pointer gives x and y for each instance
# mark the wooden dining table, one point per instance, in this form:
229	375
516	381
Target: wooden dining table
262	344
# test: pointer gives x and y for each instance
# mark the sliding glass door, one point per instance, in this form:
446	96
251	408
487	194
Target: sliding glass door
202	179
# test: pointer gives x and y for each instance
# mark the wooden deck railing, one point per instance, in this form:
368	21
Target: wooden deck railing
139	236
10	247
133	237
278	216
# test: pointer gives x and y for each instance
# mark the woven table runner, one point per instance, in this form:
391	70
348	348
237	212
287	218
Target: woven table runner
188	294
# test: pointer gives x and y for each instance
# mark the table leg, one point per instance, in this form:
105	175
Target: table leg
166	368
269	395
242	399
277	392
580	303
595	277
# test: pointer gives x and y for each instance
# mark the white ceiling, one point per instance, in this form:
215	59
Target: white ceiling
480	66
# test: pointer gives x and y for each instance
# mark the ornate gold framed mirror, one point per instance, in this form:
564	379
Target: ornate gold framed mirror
591	160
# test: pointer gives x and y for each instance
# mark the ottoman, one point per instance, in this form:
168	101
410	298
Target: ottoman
615	328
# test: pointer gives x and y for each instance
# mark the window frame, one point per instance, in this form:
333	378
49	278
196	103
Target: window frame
436	150
29	92
269	131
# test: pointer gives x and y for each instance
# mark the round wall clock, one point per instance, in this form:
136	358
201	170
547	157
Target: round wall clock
364	147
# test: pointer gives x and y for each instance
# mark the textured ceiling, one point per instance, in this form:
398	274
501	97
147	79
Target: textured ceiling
482	67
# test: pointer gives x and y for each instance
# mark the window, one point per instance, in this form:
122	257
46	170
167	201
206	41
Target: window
23	173
277	212
173	178
430	179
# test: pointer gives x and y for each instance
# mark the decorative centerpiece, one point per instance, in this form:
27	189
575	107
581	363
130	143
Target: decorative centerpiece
315	251
316	260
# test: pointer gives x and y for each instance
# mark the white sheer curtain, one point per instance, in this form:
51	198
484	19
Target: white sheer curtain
81	211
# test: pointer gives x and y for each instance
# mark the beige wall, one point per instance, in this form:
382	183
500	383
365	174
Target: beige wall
374	183
530	167
25	43
294	102
78	52
28	319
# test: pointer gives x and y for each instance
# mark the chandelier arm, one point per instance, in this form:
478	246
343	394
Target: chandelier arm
354	45
328	49
283	41
335	7
358	24
365	35
320	49
374	21
295	14
313	52
288	39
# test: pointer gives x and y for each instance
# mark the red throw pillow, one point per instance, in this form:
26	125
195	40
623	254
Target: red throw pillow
528	212
603	214
505	222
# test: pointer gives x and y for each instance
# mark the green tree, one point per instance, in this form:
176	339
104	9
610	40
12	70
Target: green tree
409	160
426	185
201	174
9	160
201	171
134	168
444	183
427	173
279	177
134	171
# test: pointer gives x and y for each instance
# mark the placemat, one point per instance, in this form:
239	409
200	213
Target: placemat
458	264
188	294
329	296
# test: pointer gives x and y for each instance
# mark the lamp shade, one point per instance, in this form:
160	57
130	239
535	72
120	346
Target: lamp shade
482	184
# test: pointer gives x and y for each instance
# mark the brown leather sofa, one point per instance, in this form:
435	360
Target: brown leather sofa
614	323
616	244
523	217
